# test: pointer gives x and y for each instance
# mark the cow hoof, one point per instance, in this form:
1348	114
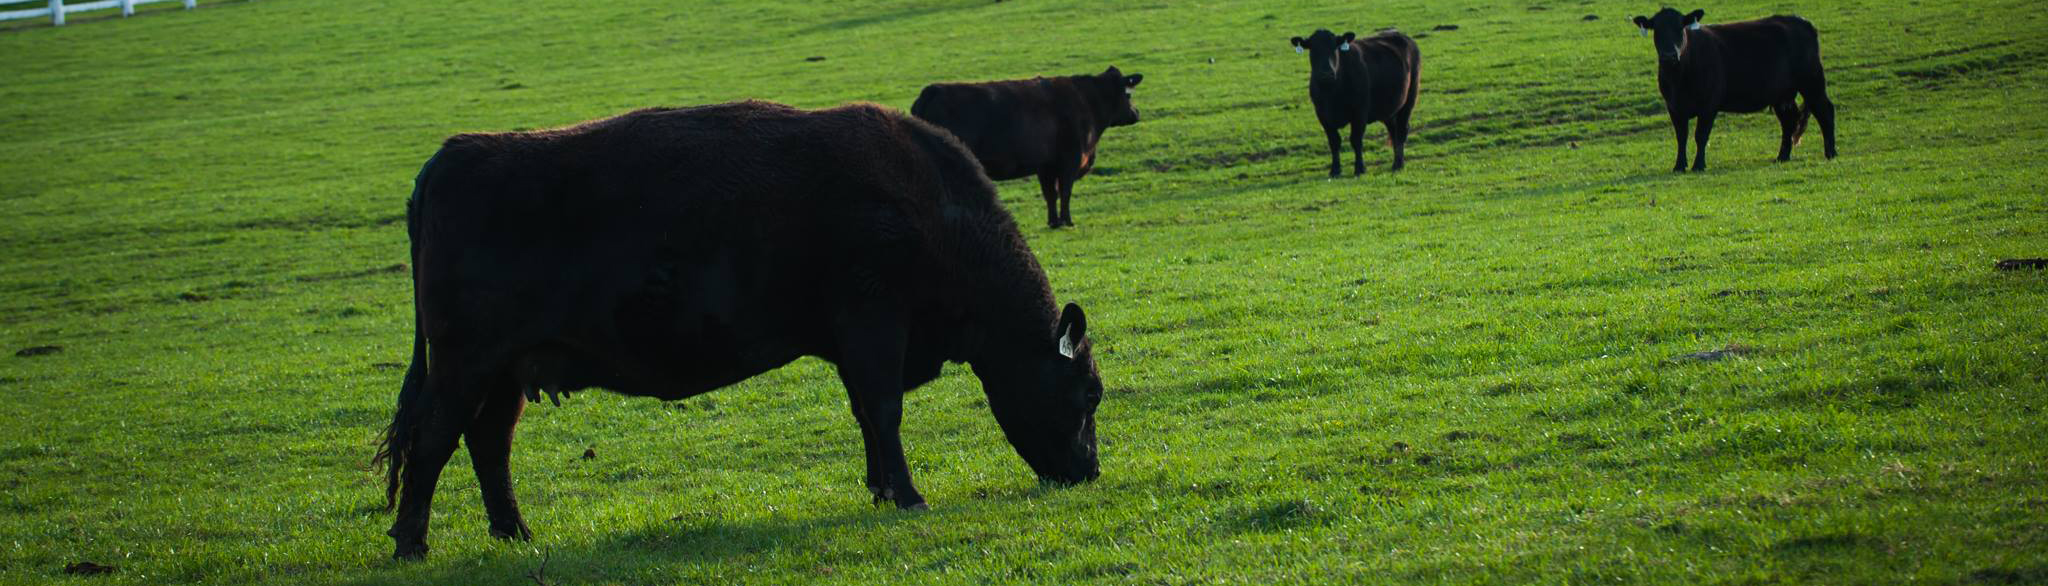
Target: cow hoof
517	530
916	506
410	551
1831	156
1699	168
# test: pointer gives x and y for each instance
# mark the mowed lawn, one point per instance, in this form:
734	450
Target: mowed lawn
1499	365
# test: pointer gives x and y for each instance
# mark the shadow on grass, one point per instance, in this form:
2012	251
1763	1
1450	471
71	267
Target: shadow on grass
845	24
640	554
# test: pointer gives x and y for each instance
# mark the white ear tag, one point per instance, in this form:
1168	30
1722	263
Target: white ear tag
1066	347
1344	47
1297	48
1695	26
1127	91
1646	32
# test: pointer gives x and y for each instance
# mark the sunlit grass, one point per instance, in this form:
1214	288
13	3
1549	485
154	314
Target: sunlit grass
1474	370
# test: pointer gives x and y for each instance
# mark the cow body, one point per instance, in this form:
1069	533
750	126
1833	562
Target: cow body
1042	127
667	253
1354	82
1749	66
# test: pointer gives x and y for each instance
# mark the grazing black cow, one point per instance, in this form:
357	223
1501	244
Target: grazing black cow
1357	82
1739	67
1046	126
670	252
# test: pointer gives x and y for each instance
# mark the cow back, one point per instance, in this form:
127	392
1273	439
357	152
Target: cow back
1010	126
728	233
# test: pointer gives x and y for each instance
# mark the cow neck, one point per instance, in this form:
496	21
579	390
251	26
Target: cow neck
1687	55
1009	305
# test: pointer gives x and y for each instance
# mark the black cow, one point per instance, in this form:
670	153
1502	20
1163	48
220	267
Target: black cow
1045	126
1739	67
670	252
1357	82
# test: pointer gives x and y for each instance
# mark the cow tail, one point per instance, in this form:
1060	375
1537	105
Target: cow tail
399	437
1813	46
1798	131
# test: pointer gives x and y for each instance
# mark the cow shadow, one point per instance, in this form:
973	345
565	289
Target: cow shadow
640	554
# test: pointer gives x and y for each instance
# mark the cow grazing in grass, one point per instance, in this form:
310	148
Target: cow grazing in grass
1355	82
1739	67
670	252
1046	127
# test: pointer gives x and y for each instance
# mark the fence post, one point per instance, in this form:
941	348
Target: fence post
127	8
57	12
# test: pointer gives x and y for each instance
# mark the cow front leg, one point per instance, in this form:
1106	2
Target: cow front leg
1336	151
875	480
871	366
1678	124
1699	156
1049	185
490	452
1358	148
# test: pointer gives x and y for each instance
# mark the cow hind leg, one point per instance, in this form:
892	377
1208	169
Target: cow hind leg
1067	200
1397	137
453	407
1789	117
1824	113
1049	185
1336	151
490	451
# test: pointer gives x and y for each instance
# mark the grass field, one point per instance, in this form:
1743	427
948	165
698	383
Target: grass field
1472	371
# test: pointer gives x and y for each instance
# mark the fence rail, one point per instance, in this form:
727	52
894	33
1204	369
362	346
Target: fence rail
57	9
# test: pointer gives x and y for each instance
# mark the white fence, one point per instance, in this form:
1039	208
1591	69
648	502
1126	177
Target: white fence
57	9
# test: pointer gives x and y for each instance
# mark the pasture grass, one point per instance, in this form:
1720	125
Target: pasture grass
1485	368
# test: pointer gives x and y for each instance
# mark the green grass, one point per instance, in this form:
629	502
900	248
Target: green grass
1461	373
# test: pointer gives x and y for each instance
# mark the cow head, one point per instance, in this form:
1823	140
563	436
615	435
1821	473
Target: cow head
1324	48
1113	91
1045	402
1669	30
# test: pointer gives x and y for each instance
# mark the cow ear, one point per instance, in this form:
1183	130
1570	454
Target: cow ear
1643	23
1133	80
1073	330
1348	36
1693	18
1296	41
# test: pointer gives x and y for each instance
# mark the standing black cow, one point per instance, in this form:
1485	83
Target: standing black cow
1357	82
1045	126
1739	67
668	253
